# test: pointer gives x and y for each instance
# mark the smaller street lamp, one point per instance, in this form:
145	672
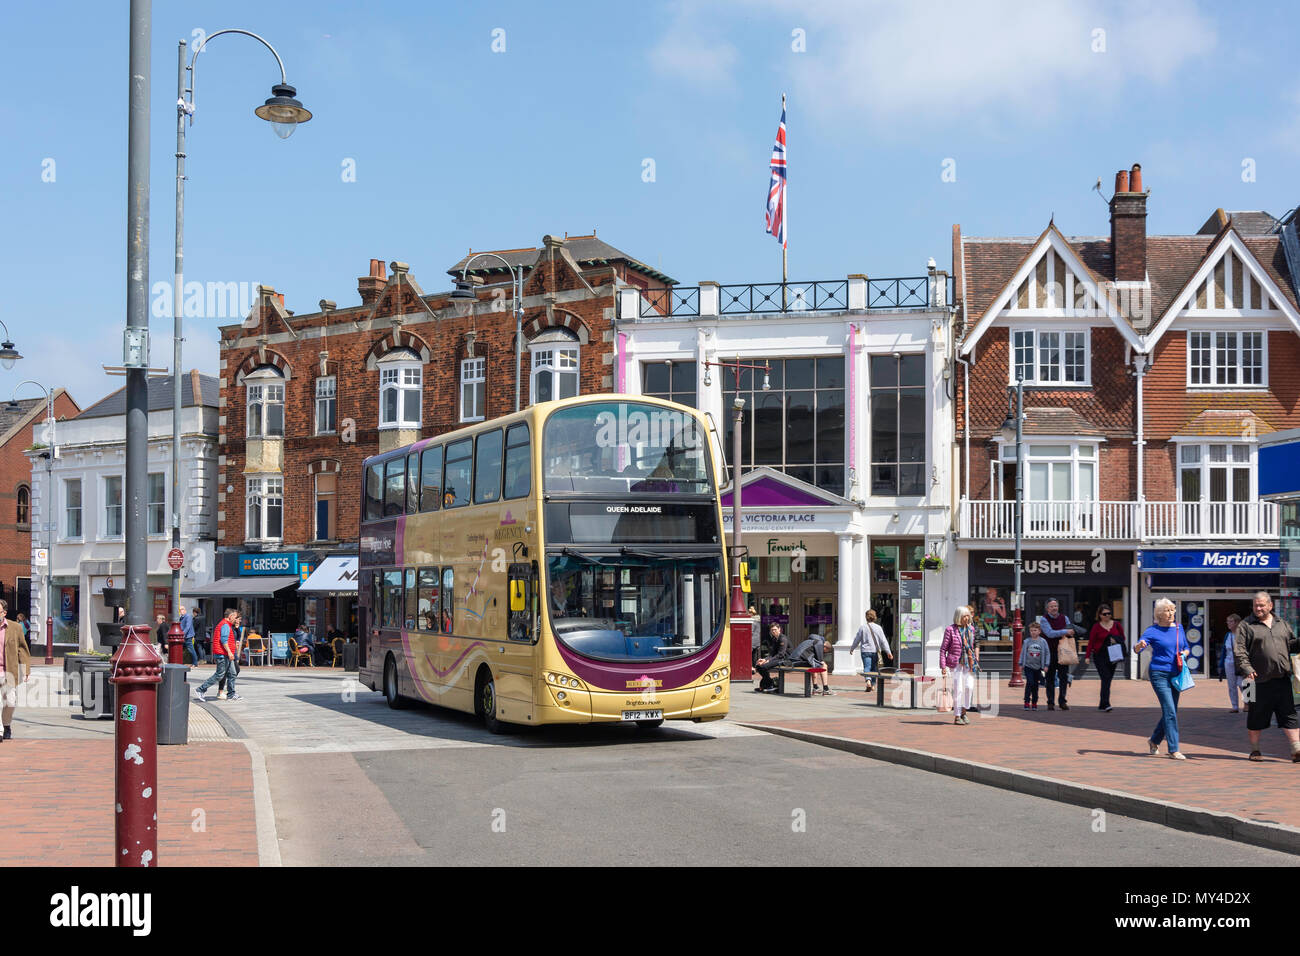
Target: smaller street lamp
282	111
8	354
1012	431
465	289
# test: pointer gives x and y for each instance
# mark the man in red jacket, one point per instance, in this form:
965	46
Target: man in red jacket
225	641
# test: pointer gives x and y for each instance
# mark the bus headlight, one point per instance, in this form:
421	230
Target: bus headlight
560	695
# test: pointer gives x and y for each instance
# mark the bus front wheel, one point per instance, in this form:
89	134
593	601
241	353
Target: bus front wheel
486	699
395	700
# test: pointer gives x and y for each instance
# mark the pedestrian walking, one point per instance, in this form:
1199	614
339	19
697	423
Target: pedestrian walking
1056	629
15	668
27	630
1263	651
187	631
1035	655
225	647
1229	663
959	655
872	641
1168	654
1106	633
160	633
780	654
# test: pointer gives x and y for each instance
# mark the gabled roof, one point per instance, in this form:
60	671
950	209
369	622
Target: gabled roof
765	487
586	251
196	389
998	253
1252	222
14	421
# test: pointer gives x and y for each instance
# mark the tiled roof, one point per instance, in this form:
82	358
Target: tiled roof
1235	423
11	417
196	389
586	250
1250	222
1058	421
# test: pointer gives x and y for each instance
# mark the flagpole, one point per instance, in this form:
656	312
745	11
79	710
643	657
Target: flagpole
786	209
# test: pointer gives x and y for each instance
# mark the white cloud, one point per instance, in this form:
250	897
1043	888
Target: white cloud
686	53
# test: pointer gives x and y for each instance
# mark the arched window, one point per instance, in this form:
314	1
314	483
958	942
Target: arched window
265	403
555	365
24	505
401	378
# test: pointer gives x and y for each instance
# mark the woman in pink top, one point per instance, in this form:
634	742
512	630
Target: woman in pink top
959	655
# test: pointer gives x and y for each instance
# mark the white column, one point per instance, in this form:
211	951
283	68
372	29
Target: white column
845	608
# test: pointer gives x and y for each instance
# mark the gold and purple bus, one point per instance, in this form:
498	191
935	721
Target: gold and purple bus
562	564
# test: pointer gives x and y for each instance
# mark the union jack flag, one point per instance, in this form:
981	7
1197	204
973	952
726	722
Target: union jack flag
776	191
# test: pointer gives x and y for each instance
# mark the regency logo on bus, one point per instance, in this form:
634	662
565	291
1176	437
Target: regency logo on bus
658	429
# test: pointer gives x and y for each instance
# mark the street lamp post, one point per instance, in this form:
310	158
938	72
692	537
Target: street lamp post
741	635
47	505
1017	597
284	113
465	290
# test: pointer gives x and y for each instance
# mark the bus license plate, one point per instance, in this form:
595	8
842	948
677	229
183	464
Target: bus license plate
643	715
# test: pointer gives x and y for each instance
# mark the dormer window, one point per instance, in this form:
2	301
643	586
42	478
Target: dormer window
1046	358
401	379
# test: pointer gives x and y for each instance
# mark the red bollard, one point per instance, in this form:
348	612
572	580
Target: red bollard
175	645
135	675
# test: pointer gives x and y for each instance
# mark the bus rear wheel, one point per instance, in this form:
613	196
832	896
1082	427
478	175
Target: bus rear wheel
395	700
485	699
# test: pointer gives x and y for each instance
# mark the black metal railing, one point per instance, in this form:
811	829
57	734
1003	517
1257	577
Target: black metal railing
674	301
910	292
758	297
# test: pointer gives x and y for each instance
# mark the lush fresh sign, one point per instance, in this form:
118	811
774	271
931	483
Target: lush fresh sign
268	563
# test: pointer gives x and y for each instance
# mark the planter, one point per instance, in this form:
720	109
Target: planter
97	694
72	665
931	564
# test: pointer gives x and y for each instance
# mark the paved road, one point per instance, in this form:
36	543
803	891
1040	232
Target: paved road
354	783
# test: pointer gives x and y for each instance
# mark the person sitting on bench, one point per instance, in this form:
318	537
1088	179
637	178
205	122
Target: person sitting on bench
809	654
780	655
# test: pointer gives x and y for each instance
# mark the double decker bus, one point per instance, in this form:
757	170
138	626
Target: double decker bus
563	564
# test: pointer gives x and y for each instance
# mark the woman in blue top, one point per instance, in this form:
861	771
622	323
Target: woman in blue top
1164	637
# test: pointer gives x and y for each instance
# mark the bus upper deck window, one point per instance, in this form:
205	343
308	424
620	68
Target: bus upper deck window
374	492
455	484
487	467
431	479
395	487
519	462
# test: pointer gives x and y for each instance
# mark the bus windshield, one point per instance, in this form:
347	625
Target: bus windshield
635	606
622	448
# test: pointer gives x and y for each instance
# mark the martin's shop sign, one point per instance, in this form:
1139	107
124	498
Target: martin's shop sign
1247	559
1097	566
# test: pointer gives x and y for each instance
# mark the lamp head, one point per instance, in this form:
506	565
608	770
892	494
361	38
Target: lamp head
283	111
464	289
8	355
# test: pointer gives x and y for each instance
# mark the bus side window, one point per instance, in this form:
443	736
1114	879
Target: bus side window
448	600
412	484
392	599
427	610
455	484
374	492
395	487
487	467
410	599
519	462
431	479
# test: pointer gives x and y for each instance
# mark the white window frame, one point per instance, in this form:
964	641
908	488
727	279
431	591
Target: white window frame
403	374
327	399
164	526
80	510
1211	372
109	534
1038	365
553	358
1205	465
259	492
315	505
264	390
1075	458
473	384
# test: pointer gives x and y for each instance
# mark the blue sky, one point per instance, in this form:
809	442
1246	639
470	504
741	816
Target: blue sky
455	145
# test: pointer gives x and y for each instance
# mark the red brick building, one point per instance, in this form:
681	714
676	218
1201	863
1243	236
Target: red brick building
306	398
1151	364
19	430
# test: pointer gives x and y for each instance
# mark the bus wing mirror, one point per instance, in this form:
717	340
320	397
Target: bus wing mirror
744	576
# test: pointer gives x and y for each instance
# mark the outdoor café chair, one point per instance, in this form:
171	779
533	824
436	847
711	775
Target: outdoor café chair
297	654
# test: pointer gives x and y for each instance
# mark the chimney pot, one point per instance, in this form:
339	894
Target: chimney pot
1135	179
377	268
1121	181
1128	227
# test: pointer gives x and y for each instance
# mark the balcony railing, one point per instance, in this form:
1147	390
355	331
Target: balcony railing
1120	520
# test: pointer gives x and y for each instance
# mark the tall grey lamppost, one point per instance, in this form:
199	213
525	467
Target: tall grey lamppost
284	113
1012	431
465	290
47	502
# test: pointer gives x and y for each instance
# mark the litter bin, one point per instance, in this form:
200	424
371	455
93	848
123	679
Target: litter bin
350	656
173	705
96	692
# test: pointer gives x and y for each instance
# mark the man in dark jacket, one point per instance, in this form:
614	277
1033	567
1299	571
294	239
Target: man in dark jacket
780	655
1263	652
809	654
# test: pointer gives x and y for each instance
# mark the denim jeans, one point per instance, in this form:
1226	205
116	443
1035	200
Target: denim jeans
1167	694
868	663
193	651
225	668
1033	677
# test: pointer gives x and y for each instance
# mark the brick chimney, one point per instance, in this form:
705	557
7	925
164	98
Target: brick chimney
370	287
1128	226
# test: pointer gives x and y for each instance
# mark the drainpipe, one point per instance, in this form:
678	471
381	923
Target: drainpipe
1140	366
853	405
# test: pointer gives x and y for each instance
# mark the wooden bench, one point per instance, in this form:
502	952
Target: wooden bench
807	672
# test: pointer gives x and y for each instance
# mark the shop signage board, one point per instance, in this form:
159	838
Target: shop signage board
1091	566
268	564
1220	559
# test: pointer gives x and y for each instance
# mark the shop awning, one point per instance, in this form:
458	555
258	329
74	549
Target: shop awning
334	576
249	587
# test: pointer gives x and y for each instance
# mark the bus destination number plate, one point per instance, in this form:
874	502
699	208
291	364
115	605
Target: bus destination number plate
643	715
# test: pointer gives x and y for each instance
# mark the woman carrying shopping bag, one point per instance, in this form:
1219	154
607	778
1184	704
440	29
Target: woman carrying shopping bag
959	656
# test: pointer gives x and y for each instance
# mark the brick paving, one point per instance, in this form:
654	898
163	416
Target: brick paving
63	790
1082	745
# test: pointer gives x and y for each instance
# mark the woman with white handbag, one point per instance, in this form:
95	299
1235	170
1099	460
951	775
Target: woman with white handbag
1106	648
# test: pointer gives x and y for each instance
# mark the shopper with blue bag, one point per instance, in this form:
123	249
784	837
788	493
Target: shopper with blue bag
1168	671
